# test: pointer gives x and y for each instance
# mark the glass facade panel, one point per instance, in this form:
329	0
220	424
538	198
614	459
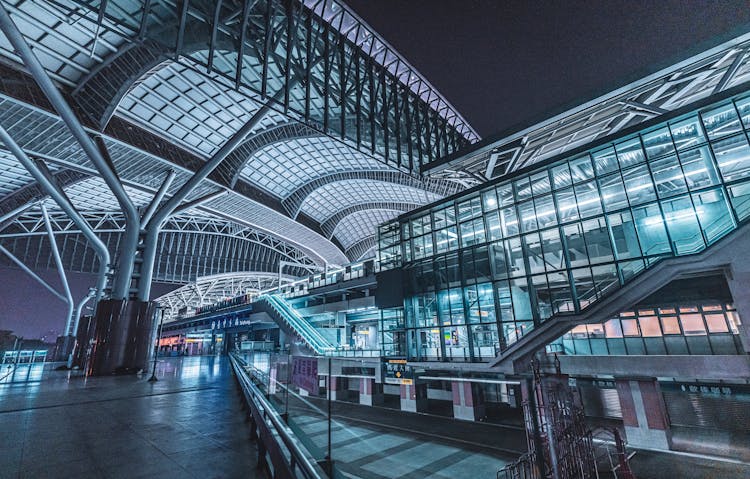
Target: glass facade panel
638	185
605	161
658	143
668	177
698	168
564	234
721	121
629	152
687	133
613	192
733	157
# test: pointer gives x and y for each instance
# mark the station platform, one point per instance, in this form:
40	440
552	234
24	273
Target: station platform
190	424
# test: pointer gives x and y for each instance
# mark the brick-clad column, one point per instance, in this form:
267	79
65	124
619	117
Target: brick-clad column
468	401
644	414
414	397
370	392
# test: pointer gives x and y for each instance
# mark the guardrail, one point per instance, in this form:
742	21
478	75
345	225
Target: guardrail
288	457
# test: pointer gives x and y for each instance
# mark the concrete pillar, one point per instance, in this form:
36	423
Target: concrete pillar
644	414
739	286
414	397
338	388
468	401
370	392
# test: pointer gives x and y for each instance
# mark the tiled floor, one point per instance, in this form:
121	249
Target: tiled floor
187	425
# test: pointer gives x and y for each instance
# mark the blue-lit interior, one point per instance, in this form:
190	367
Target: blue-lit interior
484	269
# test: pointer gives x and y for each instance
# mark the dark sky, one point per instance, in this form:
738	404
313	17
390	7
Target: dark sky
30	310
505	63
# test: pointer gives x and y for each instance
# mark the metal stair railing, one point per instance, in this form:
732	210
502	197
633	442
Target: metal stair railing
298	324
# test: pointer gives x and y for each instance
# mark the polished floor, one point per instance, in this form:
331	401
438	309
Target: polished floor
189	424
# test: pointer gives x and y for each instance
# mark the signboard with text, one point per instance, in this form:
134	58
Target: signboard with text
395	371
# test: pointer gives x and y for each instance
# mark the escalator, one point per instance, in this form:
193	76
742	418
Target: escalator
292	322
717	256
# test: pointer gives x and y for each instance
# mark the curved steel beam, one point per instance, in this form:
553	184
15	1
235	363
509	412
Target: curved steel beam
294	201
230	170
358	249
329	224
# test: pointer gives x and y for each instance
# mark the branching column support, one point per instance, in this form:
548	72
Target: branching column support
124	271
162	214
60	271
56	193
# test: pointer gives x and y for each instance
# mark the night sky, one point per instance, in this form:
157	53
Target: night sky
502	64
508	63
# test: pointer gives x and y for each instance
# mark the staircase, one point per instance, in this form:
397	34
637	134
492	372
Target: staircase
716	257
288	318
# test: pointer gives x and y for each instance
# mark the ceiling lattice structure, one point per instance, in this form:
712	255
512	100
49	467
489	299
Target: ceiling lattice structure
711	72
167	86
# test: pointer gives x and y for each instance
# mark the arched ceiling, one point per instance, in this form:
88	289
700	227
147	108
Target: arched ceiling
167	87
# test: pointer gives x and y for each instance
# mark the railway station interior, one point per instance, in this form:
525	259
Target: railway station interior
262	244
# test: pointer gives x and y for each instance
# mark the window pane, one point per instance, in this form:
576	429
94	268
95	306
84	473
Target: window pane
739	195
493	226
613	192
605	161
597	241
534	253
522	188
489	200
515	257
584	284
743	106
587	197
561	176
521	303
613	328
566	206
733	157
716	323
508	222
505	195
651	231
581	169
527	216
668	177
623	234
540	183
692	324
552	246
721	121
576	245
649	326
670	326
699	168
638	184
683	226
545	211
629	152
658	143
499	262
713	214
687	133
630	327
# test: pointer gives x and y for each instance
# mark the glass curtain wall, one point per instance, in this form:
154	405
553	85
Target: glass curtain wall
691	329
483	270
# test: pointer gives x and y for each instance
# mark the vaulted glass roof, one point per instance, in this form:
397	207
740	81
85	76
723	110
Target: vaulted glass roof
361	224
327	200
282	167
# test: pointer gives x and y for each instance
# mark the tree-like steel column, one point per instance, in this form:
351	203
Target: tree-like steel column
121	286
